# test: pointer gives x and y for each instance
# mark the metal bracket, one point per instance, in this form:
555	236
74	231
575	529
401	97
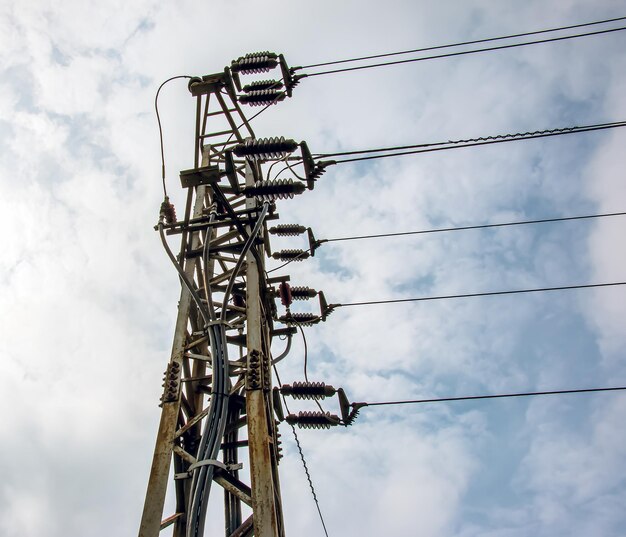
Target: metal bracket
208	462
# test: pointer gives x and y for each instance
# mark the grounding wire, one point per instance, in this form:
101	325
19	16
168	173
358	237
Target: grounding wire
308	477
496	396
464	52
304	463
473	42
156	109
473	295
472	142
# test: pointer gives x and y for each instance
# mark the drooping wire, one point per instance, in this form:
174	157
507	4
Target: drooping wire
464	52
304	252
470	142
304	464
156	109
474	42
473	295
306	362
496	396
308	476
184	278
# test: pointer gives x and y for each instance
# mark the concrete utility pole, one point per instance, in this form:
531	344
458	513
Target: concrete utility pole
218	394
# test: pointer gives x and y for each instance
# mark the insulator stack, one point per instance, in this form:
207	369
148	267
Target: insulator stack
275	189
168	211
279	446
291	255
308	390
349	420
255	62
261	97
317	171
313	420
304	319
295	80
287	230
303	293
284	290
263	85
265	148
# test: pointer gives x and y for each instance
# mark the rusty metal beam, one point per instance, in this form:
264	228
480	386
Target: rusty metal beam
257	387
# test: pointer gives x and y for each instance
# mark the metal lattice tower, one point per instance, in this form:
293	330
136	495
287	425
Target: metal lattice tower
218	397
222	219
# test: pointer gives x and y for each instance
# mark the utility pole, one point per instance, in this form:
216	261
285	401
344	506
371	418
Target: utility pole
218	392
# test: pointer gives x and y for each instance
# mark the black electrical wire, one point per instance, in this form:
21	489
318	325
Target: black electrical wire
215	427
308	476
478	226
474	42
558	130
464	52
306	353
156	109
448	229
473	295
304	464
496	396
470	142
304	252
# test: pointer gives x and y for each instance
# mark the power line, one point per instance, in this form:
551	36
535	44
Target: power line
470	142
474	42
516	135
472	295
156	109
478	226
464	52
448	229
497	396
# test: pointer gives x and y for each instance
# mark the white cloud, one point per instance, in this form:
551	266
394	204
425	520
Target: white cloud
89	297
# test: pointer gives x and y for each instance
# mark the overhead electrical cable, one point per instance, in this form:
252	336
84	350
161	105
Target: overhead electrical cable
156	109
464	52
478	226
512	136
468	142
449	229
496	396
463	43
215	427
473	295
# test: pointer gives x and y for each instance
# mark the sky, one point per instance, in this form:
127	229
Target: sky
88	297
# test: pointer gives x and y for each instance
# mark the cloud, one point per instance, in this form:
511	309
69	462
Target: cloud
90	298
